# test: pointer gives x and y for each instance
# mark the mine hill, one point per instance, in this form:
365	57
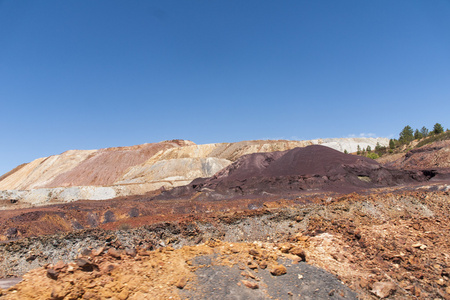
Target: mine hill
123	171
316	167
247	220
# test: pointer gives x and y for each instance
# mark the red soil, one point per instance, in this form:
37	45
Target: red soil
105	166
298	170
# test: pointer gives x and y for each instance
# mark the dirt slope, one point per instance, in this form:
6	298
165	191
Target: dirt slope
435	155
313	168
392	245
113	172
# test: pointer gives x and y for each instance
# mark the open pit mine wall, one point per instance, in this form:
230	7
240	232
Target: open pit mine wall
113	172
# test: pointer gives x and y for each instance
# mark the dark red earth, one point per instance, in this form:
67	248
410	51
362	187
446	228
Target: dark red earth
312	168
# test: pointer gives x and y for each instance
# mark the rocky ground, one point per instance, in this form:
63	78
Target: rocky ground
391	243
282	225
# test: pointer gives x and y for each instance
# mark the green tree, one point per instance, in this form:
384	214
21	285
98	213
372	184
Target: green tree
424	131
407	135
369	149
391	144
358	152
373	155
417	134
437	128
345	151
378	147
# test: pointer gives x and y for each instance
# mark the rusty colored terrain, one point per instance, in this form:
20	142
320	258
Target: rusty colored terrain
107	165
435	155
394	242
382	241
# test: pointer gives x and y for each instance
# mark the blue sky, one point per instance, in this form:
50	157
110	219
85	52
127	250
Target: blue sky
80	74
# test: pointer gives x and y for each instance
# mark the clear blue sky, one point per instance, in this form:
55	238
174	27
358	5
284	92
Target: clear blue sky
87	74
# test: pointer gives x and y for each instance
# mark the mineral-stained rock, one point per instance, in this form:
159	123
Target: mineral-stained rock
52	273
114	253
58	293
59	265
86	265
263	264
299	252
131	252
250	285
181	283
252	265
278	270
98	251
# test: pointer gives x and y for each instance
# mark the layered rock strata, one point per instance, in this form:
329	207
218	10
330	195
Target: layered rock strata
113	172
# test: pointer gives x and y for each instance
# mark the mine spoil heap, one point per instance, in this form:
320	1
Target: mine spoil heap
311	168
306	223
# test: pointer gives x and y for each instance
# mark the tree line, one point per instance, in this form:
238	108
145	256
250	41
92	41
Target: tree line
408	135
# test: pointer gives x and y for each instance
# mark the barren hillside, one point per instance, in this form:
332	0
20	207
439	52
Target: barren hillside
122	171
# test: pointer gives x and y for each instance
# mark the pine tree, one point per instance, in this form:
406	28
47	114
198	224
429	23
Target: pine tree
438	128
417	134
378	147
391	144
424	131
407	135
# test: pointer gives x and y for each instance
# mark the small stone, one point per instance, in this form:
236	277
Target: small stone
284	248
98	251
71	267
58	293
278	270
123	294
252	265
250	285
109	268
447	290
263	264
59	265
31	257
114	253
131	252
247	275
86	252
364	283
86	265
441	282
299	252
52	273
253	252
383	289
82	262
181	283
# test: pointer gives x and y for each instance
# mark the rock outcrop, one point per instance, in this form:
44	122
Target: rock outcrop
113	172
435	155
